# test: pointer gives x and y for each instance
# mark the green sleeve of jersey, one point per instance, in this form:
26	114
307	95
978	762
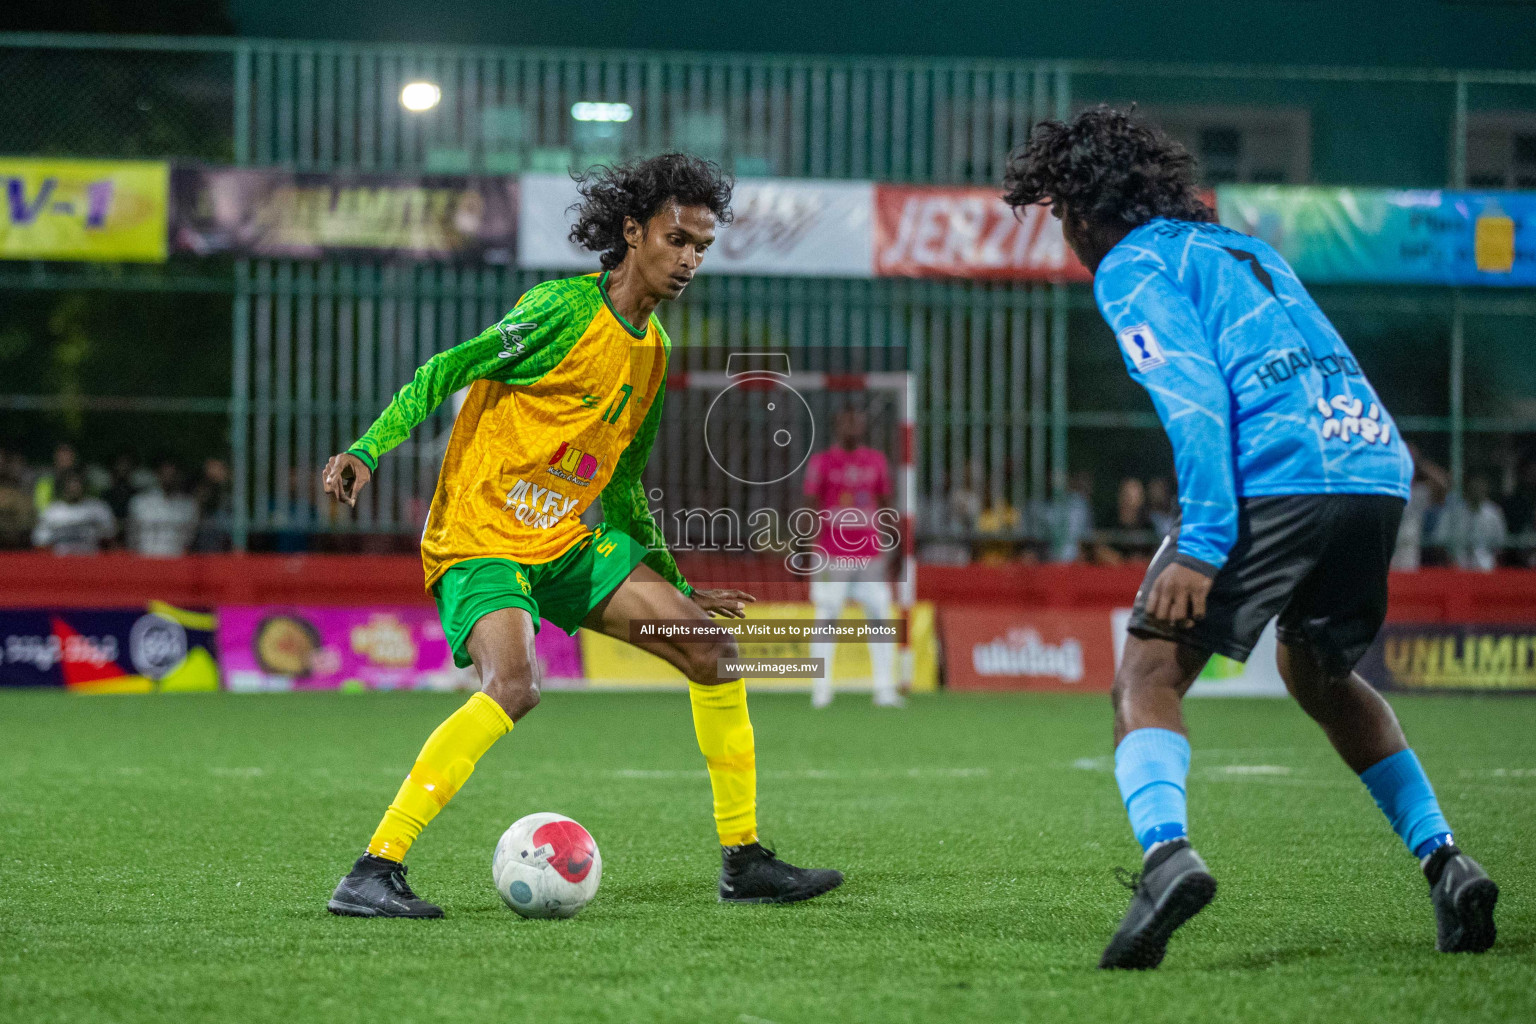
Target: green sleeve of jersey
624	503
521	348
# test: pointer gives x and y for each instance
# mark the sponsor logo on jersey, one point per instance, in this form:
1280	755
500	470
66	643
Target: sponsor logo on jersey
1141	345
1291	362
1350	422
573	464
535	506
512	342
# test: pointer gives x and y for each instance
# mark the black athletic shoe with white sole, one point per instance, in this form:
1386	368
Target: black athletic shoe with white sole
376	887
752	874
1464	896
1172	887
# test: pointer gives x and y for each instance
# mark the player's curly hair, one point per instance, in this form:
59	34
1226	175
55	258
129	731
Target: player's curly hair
1108	168
639	189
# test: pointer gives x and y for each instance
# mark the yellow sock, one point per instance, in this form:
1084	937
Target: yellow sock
443	765
725	736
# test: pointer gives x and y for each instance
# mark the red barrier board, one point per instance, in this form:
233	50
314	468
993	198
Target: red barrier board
30	579
1027	649
929	231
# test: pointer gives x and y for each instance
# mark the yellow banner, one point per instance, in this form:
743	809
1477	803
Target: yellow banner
106	210
609	662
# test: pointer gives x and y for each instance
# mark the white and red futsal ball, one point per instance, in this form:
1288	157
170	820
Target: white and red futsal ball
547	865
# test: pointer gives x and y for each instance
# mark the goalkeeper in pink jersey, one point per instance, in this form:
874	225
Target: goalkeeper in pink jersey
848	484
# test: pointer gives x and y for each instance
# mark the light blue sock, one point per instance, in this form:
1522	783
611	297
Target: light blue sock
1403	793
1151	766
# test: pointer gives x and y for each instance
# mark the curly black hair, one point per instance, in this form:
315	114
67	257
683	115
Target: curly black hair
639	189
1108	168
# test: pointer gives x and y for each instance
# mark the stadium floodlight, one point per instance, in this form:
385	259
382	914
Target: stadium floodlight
420	96
612	112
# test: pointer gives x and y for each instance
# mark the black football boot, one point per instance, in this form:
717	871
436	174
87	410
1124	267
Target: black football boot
1464	896
752	874
376	887
1172	887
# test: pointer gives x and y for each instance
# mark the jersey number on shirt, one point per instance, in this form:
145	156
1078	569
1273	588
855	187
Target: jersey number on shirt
1244	256
611	414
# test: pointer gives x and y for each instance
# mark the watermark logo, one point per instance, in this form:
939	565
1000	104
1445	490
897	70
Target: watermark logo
759	429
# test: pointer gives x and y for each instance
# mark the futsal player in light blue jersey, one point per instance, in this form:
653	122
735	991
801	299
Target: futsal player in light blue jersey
1292	482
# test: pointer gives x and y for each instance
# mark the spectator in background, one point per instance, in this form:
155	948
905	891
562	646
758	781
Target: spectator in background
126	481
214	507
1520	498
1130	536
1473	531
997	532
1426	502
16	509
64	461
72	523
162	519
948	519
1162	508
1067	520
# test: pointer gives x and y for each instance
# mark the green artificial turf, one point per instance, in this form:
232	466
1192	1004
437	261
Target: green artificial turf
169	858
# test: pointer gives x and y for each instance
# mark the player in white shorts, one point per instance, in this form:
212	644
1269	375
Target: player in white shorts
847	484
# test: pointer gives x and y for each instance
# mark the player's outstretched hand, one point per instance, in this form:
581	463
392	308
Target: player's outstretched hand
730	603
345	477
1178	595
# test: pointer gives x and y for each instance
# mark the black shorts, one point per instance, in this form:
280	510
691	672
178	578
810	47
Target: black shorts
1318	561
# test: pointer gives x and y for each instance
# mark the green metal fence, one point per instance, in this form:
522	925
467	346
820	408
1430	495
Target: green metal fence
1019	381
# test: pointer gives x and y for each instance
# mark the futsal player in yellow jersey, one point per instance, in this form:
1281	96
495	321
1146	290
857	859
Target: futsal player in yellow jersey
565	397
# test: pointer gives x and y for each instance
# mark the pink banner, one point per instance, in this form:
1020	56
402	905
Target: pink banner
388	647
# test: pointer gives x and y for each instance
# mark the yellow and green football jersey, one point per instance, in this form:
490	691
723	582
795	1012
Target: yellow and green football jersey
564	403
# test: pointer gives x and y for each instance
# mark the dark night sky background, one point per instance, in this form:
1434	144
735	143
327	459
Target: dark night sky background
1417	33
1409	32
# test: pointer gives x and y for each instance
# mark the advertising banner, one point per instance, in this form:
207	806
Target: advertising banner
400	647
612	663
272	212
782	227
936	231
1388	236
1452	657
109	651
83	210
1027	649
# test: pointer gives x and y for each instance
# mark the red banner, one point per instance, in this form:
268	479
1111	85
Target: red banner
934	231
1027	649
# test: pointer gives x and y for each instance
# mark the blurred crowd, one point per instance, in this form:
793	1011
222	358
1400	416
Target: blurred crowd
153	509
968	525
1491	524
159	509
1482	528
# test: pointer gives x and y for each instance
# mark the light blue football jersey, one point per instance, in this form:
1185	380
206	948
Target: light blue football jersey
1257	391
